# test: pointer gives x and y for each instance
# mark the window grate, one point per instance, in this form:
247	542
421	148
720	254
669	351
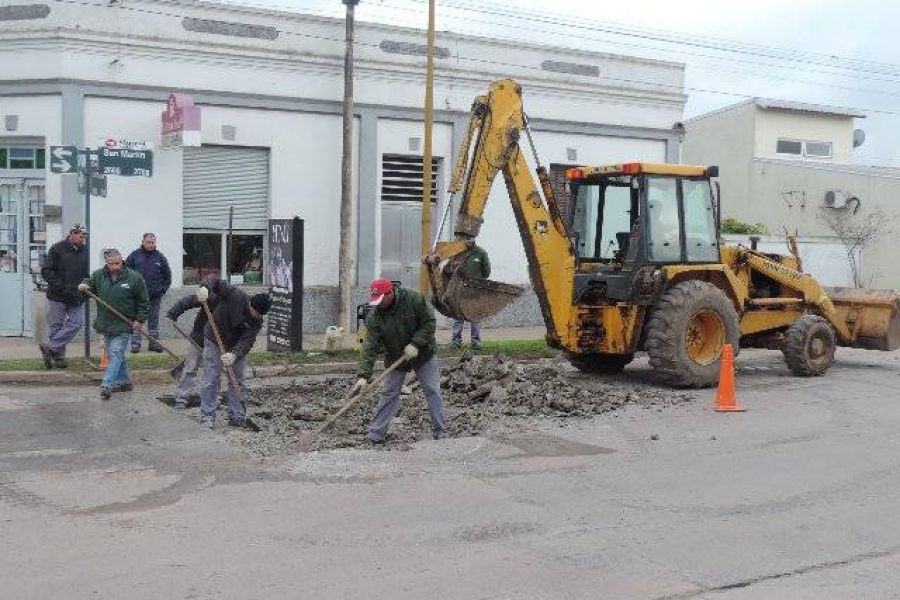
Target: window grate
401	178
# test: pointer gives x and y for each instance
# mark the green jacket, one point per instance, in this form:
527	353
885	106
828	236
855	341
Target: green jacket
409	320
127	294
476	263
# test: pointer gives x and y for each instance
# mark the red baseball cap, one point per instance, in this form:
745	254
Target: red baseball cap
378	289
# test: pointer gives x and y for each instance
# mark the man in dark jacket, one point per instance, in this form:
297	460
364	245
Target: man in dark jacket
154	268
65	266
185	386
476	265
402	325
239	318
124	290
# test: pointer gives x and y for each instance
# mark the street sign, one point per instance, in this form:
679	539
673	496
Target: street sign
125	162
63	159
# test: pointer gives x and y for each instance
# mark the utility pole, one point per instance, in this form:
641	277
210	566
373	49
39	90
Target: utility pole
427	151
346	260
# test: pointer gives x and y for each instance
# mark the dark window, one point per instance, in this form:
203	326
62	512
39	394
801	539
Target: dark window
21	158
789	147
245	259
39	158
3	155
202	256
401	178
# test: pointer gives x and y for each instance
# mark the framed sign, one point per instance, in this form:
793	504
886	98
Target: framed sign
285	273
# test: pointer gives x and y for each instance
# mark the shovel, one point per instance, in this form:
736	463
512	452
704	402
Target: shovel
108	307
309	438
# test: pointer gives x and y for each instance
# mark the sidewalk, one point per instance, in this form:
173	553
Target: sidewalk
19	347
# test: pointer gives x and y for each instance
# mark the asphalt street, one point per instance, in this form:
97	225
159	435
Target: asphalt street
795	498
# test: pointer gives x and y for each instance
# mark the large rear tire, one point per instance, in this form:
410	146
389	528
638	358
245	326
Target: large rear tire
809	346
599	363
688	330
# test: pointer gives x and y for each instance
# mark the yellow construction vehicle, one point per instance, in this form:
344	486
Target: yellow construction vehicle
638	264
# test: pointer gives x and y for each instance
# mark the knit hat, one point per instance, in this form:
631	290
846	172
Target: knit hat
261	303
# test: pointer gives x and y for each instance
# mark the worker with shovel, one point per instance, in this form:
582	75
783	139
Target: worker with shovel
120	290
187	374
402	324
228	335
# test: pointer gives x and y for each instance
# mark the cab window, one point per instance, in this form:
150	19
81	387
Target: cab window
664	239
699	221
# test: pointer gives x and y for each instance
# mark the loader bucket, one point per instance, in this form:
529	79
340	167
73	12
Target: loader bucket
873	316
468	298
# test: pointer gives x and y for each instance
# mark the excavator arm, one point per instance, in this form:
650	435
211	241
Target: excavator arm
497	123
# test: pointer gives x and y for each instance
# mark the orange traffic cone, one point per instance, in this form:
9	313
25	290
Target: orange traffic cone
104	357
725	397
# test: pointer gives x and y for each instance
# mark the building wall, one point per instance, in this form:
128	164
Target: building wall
774	124
791	195
725	139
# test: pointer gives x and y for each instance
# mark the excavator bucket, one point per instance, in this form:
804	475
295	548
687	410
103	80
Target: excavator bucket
471	299
873	316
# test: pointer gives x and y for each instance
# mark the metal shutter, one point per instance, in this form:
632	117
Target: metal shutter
217	177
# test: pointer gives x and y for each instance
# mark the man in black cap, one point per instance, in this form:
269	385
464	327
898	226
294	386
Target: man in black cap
239	318
65	266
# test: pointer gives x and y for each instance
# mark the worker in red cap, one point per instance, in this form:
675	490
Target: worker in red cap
402	323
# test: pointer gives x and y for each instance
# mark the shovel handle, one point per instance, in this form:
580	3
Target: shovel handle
108	307
182	332
357	397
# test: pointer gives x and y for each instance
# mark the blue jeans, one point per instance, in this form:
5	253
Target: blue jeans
429	374
212	376
117	371
63	322
459	325
152	323
189	375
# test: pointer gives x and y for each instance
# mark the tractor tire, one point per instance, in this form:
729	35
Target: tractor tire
599	363
687	331
809	346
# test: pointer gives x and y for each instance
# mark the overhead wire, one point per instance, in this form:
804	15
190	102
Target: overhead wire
481	60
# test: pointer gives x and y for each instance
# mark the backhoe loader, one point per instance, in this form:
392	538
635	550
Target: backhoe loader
638	264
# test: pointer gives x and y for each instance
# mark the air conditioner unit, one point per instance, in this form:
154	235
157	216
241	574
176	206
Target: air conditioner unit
836	199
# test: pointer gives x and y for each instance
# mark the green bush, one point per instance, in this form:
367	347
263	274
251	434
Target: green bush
741	228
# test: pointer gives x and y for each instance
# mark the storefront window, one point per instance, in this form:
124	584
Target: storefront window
22	158
203	257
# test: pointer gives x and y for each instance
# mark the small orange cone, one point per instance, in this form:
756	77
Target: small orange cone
726	401
104	357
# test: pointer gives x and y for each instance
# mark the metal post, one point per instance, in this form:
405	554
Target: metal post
228	244
345	254
87	248
297	274
427	151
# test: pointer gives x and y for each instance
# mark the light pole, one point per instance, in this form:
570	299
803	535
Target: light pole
427	151
346	284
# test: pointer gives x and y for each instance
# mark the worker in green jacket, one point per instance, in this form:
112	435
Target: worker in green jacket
476	265
401	325
124	290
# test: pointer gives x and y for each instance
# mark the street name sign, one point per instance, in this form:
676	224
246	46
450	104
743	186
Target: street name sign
126	162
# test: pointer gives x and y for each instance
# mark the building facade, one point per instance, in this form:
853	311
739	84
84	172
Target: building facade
269	89
790	166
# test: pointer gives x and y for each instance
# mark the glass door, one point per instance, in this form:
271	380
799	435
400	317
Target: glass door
11	268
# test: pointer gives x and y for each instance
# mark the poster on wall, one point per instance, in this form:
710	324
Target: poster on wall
180	122
285	273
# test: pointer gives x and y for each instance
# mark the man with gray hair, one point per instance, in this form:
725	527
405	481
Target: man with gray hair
124	290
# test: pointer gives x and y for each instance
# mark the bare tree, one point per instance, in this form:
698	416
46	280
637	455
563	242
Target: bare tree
856	233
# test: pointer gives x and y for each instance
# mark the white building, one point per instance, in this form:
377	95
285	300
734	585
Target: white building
269	86
791	165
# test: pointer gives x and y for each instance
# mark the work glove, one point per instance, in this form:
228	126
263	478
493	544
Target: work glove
410	352
228	358
358	386
202	294
83	287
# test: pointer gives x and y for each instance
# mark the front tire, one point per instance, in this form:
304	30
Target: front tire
809	346
688	330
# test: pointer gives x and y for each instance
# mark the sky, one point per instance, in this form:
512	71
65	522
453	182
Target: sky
826	52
